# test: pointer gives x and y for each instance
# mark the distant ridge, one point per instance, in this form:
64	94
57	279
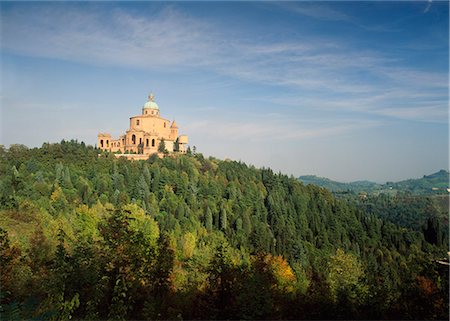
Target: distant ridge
429	184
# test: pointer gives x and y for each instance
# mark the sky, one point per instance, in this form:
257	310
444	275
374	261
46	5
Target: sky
345	90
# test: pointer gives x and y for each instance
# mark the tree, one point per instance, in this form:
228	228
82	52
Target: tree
176	146
208	219
162	146
345	278
59	299
223	282
141	148
223	219
130	247
188	245
142	189
9	257
67	182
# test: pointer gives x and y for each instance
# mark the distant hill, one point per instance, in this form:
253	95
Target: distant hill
334	186
436	183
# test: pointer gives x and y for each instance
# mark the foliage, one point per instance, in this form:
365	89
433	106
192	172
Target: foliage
85	235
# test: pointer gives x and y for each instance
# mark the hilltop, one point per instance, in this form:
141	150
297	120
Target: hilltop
436	183
84	236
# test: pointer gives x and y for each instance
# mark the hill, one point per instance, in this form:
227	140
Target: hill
428	184
433	184
94	237
334	186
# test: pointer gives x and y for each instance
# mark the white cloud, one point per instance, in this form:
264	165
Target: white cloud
171	40
399	104
276	130
430	113
428	6
168	38
315	10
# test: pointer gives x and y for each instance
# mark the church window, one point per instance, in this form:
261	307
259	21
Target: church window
140	140
146	142
164	125
107	143
137	122
133	139
153	143
101	143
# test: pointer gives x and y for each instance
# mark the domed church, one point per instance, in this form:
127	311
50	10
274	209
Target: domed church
145	135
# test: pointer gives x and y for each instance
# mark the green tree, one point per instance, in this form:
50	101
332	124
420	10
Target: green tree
60	300
208	219
67	181
176	146
130	243
346	280
223	219
162	146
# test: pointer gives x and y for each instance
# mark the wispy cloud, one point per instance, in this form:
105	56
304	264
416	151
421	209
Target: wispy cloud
399	104
429	2
335	75
168	38
321	10
315	10
277	129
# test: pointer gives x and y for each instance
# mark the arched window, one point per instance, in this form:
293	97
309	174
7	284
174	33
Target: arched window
140	140
153	142
101	143
133	139
137	122
107	143
146	142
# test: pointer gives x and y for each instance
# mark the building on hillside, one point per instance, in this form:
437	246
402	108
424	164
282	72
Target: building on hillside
145	135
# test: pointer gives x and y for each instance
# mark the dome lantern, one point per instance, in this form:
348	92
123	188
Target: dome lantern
150	107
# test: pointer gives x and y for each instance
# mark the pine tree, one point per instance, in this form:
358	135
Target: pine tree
162	146
67	182
208	220
223	219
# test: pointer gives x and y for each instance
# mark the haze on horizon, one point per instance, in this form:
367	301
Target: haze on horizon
343	90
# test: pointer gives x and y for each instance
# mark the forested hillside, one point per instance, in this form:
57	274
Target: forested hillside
434	184
334	186
89	237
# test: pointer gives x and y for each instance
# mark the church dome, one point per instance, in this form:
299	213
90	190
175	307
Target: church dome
150	104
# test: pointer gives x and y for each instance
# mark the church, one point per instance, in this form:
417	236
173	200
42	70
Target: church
145	135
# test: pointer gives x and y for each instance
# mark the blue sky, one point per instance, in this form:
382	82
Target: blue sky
346	90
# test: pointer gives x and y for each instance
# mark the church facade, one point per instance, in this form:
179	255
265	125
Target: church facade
145	134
